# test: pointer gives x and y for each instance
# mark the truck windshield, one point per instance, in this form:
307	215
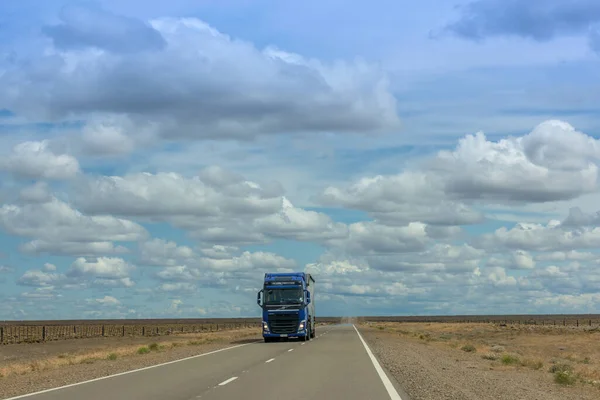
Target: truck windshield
284	296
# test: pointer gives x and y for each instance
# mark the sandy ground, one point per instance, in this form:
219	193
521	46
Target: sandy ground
428	361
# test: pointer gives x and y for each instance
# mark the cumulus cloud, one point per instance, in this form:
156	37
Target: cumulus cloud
108	135
551	237
36	160
58	228
241	271
210	85
37	193
109	301
219	251
102	268
164	253
368	238
211	194
217	207
577	218
299	224
554	162
398	199
40	278
85	25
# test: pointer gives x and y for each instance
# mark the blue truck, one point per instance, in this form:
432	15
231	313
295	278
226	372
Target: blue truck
288	307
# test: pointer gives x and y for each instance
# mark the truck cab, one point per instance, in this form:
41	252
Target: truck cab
287	304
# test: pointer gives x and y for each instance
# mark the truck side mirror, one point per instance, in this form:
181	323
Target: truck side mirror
258	295
307	297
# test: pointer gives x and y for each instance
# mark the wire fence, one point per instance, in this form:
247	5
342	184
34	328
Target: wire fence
11	334
14	332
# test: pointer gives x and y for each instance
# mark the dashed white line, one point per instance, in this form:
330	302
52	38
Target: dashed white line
290	350
302	344
127	372
268	361
384	378
233	378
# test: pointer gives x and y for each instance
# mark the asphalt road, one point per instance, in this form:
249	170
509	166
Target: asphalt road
336	364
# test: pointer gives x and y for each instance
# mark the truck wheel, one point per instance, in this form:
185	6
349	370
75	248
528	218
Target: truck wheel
312	333
268	340
308	336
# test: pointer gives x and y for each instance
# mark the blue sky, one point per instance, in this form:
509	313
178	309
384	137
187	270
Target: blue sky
434	158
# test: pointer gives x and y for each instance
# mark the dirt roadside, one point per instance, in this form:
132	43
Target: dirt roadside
430	372
27	368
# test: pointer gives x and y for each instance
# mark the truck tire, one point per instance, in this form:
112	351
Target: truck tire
268	340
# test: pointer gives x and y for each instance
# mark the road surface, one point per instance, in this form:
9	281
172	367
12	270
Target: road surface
336	364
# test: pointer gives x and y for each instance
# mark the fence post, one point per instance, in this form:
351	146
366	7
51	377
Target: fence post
143	331
103	330
43	333
1	334
123	330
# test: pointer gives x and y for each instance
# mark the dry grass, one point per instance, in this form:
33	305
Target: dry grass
114	353
534	347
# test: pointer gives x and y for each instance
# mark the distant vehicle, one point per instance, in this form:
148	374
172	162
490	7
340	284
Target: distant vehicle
288	308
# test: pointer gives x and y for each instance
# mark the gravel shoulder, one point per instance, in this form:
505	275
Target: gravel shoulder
51	368
429	372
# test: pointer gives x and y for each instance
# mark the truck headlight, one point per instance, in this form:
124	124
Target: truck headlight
265	326
301	326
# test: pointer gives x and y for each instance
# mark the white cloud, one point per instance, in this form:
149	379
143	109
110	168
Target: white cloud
522	260
164	253
177	287
370	238
36	160
107	301
219	251
299	224
554	162
213	193
72	248
263	261
101	267
107	136
200	66
538	237
58	228
218	207
40	278
567	255
411	196
36	193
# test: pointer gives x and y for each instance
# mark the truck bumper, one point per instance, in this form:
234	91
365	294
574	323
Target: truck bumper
286	335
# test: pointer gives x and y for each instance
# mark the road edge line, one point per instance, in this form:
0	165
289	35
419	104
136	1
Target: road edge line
392	392
128	372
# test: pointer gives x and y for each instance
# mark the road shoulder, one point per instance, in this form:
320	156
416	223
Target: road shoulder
427	372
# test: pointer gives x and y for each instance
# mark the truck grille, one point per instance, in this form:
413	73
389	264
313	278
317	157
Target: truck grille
283	323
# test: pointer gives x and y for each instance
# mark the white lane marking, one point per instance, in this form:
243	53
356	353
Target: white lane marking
233	378
384	378
302	344
290	350
268	361
129	372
